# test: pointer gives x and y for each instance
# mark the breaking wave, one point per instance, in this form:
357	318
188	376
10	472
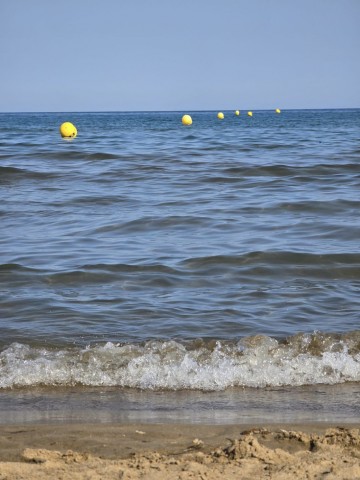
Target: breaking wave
258	361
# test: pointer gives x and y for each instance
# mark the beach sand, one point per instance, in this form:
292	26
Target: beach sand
169	451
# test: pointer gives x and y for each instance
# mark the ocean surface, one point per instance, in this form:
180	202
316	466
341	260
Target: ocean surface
149	259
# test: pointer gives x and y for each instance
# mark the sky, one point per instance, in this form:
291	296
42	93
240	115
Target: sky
182	55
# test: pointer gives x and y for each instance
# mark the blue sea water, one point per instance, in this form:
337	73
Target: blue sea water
148	255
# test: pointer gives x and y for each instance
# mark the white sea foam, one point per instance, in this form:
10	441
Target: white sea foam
253	362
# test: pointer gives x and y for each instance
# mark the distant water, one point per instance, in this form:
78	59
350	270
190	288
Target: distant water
147	254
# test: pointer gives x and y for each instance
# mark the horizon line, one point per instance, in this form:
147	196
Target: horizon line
175	111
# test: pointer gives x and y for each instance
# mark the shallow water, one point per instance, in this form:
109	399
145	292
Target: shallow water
150	255
308	404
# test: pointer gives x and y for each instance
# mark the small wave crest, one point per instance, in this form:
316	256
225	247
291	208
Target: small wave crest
16	173
259	361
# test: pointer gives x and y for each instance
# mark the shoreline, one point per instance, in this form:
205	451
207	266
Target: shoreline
312	404
179	451
121	440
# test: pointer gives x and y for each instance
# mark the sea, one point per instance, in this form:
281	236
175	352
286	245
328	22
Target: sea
157	272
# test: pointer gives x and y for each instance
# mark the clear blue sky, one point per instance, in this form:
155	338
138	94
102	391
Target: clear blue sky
89	55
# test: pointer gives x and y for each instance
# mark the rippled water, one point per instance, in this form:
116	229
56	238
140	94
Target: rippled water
147	254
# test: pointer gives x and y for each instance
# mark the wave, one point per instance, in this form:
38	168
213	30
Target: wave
298	171
271	263
156	223
258	361
7	268
9	173
344	265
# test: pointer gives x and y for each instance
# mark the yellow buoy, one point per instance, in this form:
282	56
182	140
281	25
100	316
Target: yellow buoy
68	130
220	115
237	112
186	120
250	114
278	110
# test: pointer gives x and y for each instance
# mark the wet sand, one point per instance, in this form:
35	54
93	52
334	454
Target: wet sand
178	451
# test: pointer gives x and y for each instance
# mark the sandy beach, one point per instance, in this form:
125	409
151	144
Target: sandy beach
167	451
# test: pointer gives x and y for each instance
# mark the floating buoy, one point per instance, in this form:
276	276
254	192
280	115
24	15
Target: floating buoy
278	110
186	120
237	112
68	130
250	114
220	115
